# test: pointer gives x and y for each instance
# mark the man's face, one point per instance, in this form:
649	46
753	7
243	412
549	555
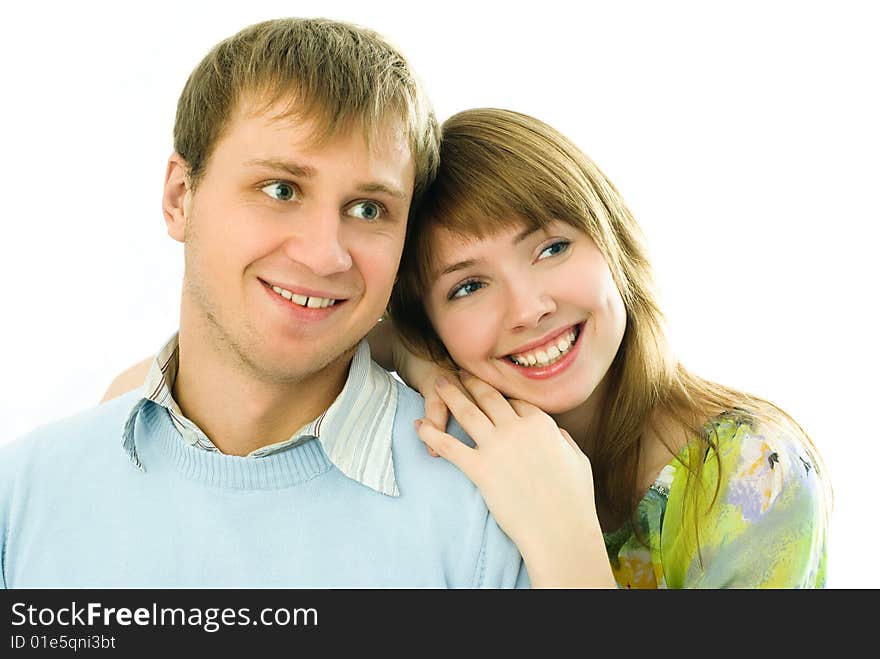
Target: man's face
292	249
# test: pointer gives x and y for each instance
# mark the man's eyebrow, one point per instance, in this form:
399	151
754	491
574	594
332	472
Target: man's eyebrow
461	265
305	171
289	167
381	187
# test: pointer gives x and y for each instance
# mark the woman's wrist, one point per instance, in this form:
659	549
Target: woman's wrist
575	559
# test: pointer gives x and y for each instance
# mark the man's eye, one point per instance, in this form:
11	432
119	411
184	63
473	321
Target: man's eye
465	289
279	190
366	210
552	250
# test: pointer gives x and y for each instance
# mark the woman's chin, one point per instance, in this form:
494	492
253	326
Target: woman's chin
556	398
549	402
558	407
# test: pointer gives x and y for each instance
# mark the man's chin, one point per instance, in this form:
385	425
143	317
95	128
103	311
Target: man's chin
300	368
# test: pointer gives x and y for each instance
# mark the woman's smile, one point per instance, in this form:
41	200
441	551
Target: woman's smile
548	358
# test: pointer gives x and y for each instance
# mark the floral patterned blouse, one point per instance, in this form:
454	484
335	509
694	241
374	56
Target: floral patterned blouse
766	529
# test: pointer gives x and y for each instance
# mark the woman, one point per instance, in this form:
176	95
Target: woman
600	455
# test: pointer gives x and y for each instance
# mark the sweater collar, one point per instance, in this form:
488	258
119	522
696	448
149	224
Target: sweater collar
355	432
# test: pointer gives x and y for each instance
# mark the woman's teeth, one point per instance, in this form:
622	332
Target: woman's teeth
547	354
303	301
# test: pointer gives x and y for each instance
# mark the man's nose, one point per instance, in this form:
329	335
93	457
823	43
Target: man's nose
319	244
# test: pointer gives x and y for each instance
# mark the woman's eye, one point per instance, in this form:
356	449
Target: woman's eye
556	248
366	210
279	190
465	289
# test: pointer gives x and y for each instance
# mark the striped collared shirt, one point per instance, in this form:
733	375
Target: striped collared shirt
355	431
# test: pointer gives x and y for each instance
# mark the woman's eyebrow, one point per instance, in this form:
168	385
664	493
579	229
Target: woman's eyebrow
525	233
461	265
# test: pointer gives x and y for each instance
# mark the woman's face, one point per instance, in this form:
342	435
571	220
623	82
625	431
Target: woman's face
535	314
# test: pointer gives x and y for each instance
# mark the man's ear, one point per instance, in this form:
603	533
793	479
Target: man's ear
175	197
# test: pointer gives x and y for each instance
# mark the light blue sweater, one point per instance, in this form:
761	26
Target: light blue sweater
76	513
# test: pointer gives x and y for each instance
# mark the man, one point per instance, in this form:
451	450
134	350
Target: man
265	448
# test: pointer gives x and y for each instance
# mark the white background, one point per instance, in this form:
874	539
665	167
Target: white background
743	135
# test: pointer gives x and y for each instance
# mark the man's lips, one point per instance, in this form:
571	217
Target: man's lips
304	291
303	308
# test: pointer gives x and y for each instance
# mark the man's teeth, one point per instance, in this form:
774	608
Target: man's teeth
547	354
303	301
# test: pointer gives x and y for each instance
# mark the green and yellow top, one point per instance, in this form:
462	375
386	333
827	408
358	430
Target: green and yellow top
767	527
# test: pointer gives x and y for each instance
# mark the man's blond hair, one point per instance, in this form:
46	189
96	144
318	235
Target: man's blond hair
337	75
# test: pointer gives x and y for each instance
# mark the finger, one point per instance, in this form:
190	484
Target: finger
454	378
570	441
431	451
488	398
448	447
579	451
435	410
437	413
451	377
428	384
469	415
524	408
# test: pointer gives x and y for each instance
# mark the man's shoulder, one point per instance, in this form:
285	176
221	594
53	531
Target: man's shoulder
441	492
409	401
73	436
411	406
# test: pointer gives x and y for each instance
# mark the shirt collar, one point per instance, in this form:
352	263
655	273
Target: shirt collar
355	432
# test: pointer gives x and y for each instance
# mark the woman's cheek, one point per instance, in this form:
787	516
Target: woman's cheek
464	337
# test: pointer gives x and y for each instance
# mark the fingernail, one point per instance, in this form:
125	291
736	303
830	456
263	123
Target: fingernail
442	381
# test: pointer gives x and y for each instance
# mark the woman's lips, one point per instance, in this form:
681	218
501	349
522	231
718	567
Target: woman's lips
555	368
528	347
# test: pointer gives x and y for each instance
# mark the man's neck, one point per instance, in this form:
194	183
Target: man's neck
239	411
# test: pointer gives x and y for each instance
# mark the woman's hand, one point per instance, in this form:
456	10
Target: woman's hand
536	482
421	374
